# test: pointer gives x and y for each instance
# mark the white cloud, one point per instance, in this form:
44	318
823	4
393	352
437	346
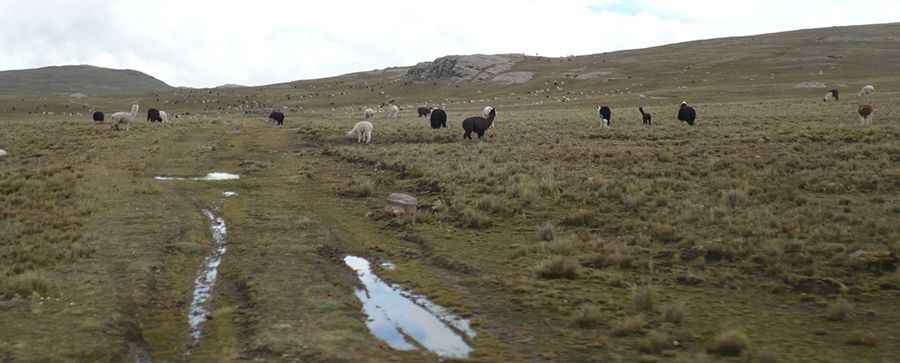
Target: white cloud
211	42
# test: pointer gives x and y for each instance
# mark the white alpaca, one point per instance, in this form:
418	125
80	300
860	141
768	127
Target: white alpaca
393	111
164	117
3	153
486	112
867	91
362	132
125	117
368	114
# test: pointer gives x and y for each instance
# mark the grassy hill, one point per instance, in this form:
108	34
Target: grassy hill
87	80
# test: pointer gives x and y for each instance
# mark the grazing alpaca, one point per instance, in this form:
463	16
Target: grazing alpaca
424	111
362	132
438	119
648	118
479	124
125	117
832	95
153	115
605	116
277	118
392	111
368	114
687	114
99	116
164	117
866	114
867	91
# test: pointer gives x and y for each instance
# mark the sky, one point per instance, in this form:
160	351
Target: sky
207	43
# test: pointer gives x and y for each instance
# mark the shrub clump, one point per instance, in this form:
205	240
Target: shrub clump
643	298
589	317
839	310
730	343
558	268
546	232
673	313
629	326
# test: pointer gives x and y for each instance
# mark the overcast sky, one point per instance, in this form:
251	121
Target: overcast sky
202	43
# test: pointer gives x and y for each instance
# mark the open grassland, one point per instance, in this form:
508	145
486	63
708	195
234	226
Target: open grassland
770	229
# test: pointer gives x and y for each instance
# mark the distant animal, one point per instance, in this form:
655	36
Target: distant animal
277	117
362	132
3	153
424	111
438	119
126	118
867	91
164	117
153	115
605	116
647	117
866	114
832	95
392	111
479	124
99	116
368	114
687	114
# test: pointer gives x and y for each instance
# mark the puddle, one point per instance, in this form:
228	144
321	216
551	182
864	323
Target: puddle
230	194
208	177
388	265
407	322
206	277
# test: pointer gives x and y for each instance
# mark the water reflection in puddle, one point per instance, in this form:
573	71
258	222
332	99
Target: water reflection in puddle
230	194
208	177
405	321
206	278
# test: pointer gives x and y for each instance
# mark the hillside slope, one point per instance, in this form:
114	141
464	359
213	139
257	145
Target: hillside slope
86	80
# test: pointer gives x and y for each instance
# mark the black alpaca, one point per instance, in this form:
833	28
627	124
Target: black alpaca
277	117
648	118
424	111
835	94
687	114
99	116
153	115
478	125
606	114
438	119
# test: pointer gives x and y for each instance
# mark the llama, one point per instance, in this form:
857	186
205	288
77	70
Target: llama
479	124
99	116
832	95
277	118
125	117
424	111
153	115
368	114
866	114
362	132
438	119
687	114
648	118
605	116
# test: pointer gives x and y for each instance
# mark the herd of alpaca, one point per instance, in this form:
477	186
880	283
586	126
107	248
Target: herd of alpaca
124	120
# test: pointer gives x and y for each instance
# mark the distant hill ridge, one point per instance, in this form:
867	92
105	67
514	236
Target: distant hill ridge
80	79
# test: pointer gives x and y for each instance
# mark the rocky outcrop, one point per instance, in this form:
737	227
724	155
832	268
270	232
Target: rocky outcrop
464	68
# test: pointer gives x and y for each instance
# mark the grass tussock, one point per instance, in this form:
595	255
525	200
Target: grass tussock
474	219
656	342
546	232
767	357
839	310
589	317
673	313
731	343
864	339
26	285
360	188
630	326
643	298
558	268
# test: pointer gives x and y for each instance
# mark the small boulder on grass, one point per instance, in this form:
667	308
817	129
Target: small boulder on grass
839	310
546	232
731	343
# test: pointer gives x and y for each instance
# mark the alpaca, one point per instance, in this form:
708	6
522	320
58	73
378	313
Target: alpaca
3	153
362	132
605	116
438	119
368	114
164	117
832	95
687	114
479	124
424	111
153	115
125	117
648	118
392	112
486	112
277	118
867	91
866	114
99	116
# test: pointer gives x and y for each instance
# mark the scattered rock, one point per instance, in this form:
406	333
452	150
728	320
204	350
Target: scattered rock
820	286
402	205
593	75
514	77
464	67
811	84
